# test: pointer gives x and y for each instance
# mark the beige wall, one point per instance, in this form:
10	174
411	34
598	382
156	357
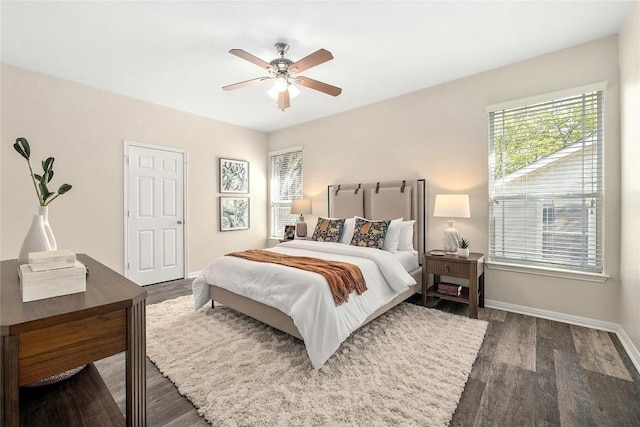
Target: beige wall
440	134
630	188
1	68
84	129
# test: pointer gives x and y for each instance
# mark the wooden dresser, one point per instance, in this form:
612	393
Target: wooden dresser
46	337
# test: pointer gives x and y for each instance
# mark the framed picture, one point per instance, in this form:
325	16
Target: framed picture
234	213
234	176
289	232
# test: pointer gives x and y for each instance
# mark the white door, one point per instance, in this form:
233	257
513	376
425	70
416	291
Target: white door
154	215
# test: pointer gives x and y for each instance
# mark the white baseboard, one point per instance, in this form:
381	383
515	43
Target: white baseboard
631	349
194	274
553	315
626	342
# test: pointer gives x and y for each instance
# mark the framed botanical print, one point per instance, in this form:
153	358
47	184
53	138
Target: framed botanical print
234	213
234	176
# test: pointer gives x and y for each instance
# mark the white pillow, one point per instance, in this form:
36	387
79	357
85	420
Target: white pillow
392	238
406	236
347	230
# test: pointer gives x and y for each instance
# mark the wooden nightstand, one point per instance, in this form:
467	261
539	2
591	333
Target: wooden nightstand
470	268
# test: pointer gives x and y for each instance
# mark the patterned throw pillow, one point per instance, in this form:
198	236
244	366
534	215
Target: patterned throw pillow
369	234
328	230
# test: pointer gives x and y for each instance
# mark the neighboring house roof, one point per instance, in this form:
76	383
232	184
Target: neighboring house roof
546	161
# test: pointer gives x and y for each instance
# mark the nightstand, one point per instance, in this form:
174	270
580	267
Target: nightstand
470	268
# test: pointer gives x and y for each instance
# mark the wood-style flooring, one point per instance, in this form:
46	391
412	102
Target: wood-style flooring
529	372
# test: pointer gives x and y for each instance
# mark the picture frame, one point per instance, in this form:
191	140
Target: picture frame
289	232
234	176
234	213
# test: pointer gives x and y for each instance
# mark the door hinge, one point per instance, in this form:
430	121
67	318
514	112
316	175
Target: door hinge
128	266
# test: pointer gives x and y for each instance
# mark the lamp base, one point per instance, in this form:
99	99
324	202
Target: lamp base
301	229
450	240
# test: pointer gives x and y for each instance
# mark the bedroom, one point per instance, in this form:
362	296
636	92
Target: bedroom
438	132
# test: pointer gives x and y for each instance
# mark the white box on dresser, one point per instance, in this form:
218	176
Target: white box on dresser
37	285
51	260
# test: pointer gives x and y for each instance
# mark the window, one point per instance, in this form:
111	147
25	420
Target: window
286	185
545	182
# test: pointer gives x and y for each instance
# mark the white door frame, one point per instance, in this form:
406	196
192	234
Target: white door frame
185	205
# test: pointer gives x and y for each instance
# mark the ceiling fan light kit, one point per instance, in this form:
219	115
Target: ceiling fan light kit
280	85
284	73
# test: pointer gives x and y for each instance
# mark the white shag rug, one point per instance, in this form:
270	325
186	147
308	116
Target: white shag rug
408	367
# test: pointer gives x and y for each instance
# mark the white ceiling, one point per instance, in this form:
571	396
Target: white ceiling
175	53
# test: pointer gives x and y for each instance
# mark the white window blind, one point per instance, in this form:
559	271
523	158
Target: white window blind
545	183
286	185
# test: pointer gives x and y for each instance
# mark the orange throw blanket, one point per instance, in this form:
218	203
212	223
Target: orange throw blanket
343	278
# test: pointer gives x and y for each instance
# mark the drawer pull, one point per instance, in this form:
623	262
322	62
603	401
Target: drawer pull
446	268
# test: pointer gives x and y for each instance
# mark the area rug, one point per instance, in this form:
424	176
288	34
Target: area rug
408	367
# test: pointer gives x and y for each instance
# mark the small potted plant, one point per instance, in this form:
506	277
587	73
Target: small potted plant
463	248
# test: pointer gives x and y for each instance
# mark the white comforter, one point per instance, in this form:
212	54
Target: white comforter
305	296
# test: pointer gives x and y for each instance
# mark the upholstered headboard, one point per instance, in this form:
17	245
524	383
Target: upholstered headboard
383	200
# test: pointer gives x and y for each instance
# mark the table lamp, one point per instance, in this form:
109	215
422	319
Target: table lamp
301	206
451	206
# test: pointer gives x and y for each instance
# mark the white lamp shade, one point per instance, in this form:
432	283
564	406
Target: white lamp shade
301	206
293	91
278	87
452	206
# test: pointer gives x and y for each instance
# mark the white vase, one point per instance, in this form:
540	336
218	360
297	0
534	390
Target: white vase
44	211
36	240
464	253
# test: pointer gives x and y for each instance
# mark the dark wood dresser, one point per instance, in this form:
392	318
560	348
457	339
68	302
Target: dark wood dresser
46	337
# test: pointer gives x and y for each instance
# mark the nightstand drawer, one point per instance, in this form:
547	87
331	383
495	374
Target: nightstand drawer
448	268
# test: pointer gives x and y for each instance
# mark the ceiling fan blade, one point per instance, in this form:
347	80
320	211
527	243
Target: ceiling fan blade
245	83
322	87
283	100
249	57
316	58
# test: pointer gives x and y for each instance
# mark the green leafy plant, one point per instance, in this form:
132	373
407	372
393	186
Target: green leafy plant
40	181
463	243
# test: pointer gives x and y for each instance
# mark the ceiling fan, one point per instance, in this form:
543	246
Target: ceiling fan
284	73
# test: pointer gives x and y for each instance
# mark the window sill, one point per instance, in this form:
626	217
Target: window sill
551	272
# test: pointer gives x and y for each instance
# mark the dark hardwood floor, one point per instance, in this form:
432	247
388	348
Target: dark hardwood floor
165	406
529	372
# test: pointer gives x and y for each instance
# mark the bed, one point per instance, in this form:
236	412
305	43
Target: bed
299	302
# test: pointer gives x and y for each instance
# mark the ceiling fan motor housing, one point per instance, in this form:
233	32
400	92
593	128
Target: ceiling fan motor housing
281	64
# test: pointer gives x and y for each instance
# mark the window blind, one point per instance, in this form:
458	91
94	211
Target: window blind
286	185
546	185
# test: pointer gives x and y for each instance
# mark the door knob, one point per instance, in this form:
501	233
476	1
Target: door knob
179	222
